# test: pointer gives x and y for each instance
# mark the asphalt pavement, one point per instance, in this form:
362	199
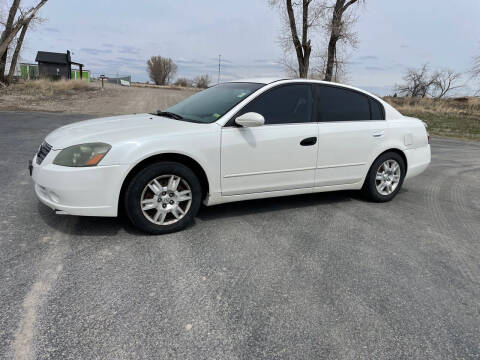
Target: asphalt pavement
305	277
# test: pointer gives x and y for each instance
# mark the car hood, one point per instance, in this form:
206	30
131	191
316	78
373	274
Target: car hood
116	129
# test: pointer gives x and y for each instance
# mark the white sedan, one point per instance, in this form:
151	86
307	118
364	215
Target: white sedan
235	141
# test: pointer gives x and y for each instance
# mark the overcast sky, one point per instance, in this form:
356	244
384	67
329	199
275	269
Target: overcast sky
118	36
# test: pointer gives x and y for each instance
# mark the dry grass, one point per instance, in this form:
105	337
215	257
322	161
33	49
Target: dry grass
458	117
47	88
153	86
46	95
88	98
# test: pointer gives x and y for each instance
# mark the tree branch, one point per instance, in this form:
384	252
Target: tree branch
346	6
8	29
19	25
16	53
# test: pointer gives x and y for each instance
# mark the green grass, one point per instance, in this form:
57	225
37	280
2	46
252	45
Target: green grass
445	117
452	125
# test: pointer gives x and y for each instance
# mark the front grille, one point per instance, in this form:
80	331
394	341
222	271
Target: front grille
43	151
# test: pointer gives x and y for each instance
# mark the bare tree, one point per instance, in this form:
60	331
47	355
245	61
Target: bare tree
339	30
303	48
9	34
7	30
13	26
418	82
443	82
421	83
32	20
308	14
161	70
309	25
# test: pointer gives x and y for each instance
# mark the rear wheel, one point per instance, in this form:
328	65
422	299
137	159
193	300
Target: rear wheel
385	177
163	197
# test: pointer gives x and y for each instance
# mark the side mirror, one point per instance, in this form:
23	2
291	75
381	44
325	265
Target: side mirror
250	119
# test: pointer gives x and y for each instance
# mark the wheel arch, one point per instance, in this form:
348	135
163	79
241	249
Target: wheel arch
173	157
394	150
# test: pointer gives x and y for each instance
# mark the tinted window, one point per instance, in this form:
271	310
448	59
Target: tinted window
285	104
377	111
337	104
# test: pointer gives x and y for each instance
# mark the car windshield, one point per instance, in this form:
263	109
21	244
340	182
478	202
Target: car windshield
209	105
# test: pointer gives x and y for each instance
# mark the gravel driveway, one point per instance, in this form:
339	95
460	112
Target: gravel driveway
305	277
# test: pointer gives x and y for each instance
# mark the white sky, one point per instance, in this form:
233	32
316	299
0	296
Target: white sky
118	36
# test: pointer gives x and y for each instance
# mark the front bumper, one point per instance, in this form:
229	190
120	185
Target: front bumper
87	191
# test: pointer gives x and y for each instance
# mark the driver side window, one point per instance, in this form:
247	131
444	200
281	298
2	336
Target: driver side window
285	104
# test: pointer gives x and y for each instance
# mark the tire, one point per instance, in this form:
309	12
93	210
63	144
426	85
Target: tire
385	187
156	199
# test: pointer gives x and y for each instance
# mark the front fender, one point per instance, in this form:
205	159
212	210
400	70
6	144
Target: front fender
204	148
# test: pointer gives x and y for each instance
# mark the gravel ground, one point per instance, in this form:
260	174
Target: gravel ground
307	277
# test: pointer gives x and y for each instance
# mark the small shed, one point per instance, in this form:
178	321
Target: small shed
56	65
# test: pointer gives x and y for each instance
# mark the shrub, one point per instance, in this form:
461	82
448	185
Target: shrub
202	82
184	82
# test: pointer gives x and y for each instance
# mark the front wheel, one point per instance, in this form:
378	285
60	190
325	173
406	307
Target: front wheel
163	198
385	177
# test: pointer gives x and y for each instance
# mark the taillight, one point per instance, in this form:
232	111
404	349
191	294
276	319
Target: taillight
428	137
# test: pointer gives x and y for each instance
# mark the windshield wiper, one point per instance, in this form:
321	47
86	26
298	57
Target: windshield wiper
169	115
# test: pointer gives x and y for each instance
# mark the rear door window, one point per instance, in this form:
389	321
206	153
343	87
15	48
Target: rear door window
377	110
339	104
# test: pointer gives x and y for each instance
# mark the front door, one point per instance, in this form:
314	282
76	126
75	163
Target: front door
280	155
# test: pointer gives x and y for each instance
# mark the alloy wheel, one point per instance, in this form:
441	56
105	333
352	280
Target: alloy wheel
166	199
388	177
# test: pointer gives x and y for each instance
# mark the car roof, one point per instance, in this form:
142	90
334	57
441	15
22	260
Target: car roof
264	80
268	81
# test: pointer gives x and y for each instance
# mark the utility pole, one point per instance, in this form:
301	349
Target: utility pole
219	62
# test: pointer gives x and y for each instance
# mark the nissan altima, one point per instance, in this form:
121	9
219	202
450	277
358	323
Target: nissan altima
234	141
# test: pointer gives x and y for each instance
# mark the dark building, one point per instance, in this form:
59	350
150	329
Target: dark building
56	65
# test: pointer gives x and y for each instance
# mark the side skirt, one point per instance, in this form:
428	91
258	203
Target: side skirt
217	198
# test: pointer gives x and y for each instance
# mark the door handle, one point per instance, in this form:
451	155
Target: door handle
309	141
378	133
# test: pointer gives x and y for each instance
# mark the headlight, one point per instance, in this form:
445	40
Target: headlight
82	155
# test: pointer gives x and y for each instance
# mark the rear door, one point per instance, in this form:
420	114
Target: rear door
351	131
279	155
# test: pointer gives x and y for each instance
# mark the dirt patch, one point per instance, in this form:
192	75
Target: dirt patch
89	98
